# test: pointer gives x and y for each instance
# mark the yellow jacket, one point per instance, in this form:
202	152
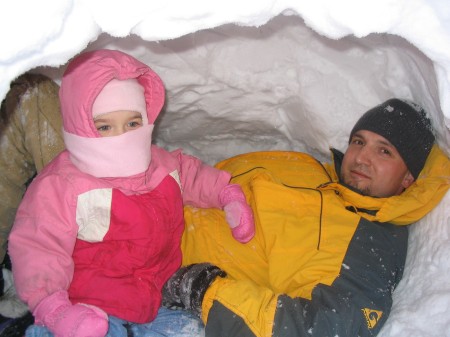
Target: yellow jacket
320	263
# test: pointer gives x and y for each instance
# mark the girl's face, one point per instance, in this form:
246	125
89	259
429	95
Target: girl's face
116	123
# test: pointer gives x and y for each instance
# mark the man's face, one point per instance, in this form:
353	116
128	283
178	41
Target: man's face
373	166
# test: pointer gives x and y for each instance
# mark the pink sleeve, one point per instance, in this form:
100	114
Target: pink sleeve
201	183
42	240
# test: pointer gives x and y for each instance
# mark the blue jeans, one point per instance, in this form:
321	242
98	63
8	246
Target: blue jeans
168	323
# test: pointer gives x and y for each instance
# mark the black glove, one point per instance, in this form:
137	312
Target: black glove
187	287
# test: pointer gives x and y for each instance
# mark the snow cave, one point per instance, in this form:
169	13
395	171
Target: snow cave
243	76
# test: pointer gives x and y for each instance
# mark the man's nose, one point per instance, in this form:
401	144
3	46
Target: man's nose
364	156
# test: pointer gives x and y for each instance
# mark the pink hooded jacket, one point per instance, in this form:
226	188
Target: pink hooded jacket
110	239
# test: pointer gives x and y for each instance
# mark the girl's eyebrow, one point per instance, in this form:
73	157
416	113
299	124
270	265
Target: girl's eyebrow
100	119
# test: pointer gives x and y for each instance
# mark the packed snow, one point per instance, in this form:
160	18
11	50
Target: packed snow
260	75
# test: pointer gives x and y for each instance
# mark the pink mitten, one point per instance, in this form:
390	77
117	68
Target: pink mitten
238	213
65	319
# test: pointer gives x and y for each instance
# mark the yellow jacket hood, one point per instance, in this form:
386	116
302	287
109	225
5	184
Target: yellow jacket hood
410	206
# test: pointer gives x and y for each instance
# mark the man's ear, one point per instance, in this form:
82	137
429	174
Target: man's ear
407	180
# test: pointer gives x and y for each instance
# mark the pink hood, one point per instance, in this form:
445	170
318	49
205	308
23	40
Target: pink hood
86	76
120	156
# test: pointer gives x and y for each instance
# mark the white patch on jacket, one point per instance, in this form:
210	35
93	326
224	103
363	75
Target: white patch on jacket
176	176
93	214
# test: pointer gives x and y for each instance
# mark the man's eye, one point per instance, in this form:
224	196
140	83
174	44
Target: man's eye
357	141
386	152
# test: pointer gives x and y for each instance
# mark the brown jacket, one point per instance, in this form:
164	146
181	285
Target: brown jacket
30	137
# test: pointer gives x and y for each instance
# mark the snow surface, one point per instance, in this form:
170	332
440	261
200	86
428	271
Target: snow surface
265	74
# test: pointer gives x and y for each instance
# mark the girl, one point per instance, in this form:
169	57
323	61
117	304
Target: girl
98	232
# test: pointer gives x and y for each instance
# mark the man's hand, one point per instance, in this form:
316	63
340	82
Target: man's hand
187	287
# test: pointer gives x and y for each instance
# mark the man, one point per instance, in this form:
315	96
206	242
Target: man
330	241
30	137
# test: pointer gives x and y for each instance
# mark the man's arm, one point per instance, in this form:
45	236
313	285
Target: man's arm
30	137
357	303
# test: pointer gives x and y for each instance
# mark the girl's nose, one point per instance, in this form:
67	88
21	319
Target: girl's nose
119	131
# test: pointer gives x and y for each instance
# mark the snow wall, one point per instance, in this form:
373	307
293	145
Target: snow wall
261	75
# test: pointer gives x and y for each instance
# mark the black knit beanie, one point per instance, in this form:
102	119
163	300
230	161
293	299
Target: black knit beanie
405	125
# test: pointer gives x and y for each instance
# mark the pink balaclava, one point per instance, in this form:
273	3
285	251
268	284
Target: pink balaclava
121	95
104	81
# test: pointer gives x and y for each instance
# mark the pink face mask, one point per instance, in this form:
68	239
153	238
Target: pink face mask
105	157
119	156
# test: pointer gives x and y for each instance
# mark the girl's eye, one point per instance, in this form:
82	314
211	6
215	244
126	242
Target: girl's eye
134	124
103	128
